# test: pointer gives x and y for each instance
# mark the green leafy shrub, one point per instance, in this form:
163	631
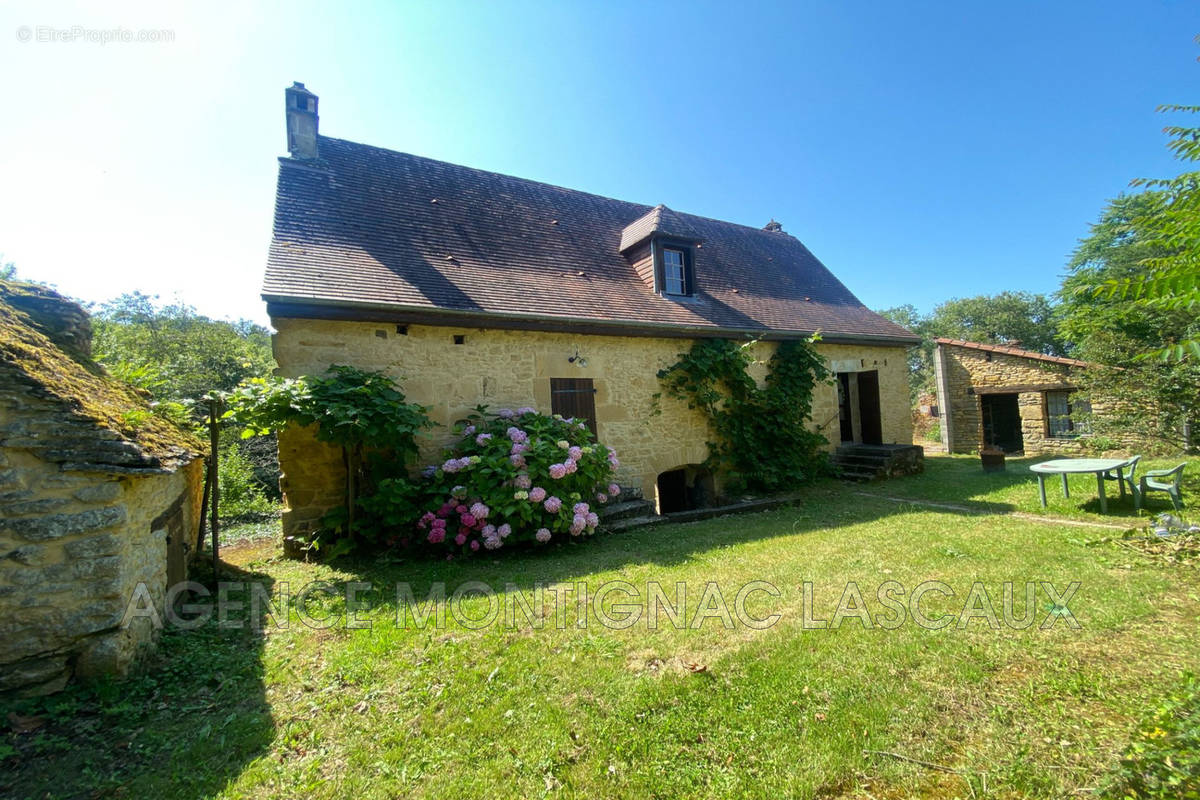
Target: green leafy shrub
360	410
1163	760
518	476
241	494
763	442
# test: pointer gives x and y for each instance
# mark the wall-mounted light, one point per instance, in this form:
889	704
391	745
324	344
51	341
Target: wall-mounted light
577	360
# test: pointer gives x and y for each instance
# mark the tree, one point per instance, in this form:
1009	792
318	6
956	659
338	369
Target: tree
1160	398
176	353
1168	222
1020	319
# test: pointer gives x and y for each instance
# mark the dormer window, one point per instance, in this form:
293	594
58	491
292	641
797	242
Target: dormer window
674	271
675	276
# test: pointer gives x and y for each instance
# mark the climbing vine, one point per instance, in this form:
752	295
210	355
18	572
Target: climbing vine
762	438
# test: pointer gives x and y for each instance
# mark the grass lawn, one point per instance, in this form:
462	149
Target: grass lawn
572	710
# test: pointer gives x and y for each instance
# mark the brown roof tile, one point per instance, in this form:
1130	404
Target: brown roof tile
360	228
1014	351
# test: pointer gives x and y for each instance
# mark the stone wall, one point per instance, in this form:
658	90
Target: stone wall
73	547
512	369
968	370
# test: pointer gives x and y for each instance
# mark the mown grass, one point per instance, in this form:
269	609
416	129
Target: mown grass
960	480
565	711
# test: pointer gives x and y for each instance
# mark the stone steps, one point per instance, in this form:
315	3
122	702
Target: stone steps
865	462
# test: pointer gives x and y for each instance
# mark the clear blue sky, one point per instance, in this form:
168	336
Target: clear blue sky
921	150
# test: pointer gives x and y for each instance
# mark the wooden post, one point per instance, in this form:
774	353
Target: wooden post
214	441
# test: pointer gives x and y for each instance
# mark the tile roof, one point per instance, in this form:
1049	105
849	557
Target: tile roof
1014	351
369	228
660	221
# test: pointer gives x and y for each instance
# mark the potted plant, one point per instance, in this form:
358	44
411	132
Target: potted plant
992	459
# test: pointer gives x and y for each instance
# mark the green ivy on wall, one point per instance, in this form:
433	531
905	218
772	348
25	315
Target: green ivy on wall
763	442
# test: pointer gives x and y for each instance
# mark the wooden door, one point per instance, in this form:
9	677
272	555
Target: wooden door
870	418
574	397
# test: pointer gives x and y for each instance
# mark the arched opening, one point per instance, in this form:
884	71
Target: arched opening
685	488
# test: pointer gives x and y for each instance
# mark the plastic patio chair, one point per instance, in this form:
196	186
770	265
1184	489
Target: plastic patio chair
1124	476
1151	483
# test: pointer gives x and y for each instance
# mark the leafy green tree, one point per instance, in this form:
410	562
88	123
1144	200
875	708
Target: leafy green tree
1168	223
1160	398
174	352
1019	319
8	270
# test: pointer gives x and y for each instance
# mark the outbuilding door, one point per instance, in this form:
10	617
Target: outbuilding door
1001	422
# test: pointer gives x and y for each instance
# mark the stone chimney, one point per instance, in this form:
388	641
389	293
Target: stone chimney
301	107
773	226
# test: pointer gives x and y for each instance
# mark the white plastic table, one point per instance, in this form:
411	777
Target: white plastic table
1071	466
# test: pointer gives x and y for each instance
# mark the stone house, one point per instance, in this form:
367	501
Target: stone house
472	287
97	496
1008	398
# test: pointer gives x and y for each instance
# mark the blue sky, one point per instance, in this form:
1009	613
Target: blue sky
922	150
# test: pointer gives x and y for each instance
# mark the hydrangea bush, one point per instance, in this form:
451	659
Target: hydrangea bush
516	476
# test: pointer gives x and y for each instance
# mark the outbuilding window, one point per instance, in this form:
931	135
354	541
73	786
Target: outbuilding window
1066	419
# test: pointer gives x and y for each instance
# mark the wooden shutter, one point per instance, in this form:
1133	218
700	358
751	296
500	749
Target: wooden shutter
574	397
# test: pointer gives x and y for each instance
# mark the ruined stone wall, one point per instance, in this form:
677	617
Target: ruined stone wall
73	546
512	369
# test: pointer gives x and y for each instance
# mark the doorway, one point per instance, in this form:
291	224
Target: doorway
859	412
1001	422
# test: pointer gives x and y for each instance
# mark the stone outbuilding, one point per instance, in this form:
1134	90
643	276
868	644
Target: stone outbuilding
996	396
99	501
472	287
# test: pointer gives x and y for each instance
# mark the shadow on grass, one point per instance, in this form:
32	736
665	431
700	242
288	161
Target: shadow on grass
185	724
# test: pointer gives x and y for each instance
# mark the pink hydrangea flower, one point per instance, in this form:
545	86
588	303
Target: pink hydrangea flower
467	520
460	509
523	410
504	530
578	524
480	510
491	543
437	536
552	504
592	519
467	431
461	539
517	435
487	531
542	535
558	471
613	490
474	544
505	413
439	523
522	481
451	466
482	439
517	460
537	494
571	467
518	447
575	453
581	508
601	498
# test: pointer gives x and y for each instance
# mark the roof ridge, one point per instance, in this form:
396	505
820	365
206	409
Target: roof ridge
1010	350
647	208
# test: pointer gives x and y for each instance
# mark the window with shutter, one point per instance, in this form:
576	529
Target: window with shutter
574	397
